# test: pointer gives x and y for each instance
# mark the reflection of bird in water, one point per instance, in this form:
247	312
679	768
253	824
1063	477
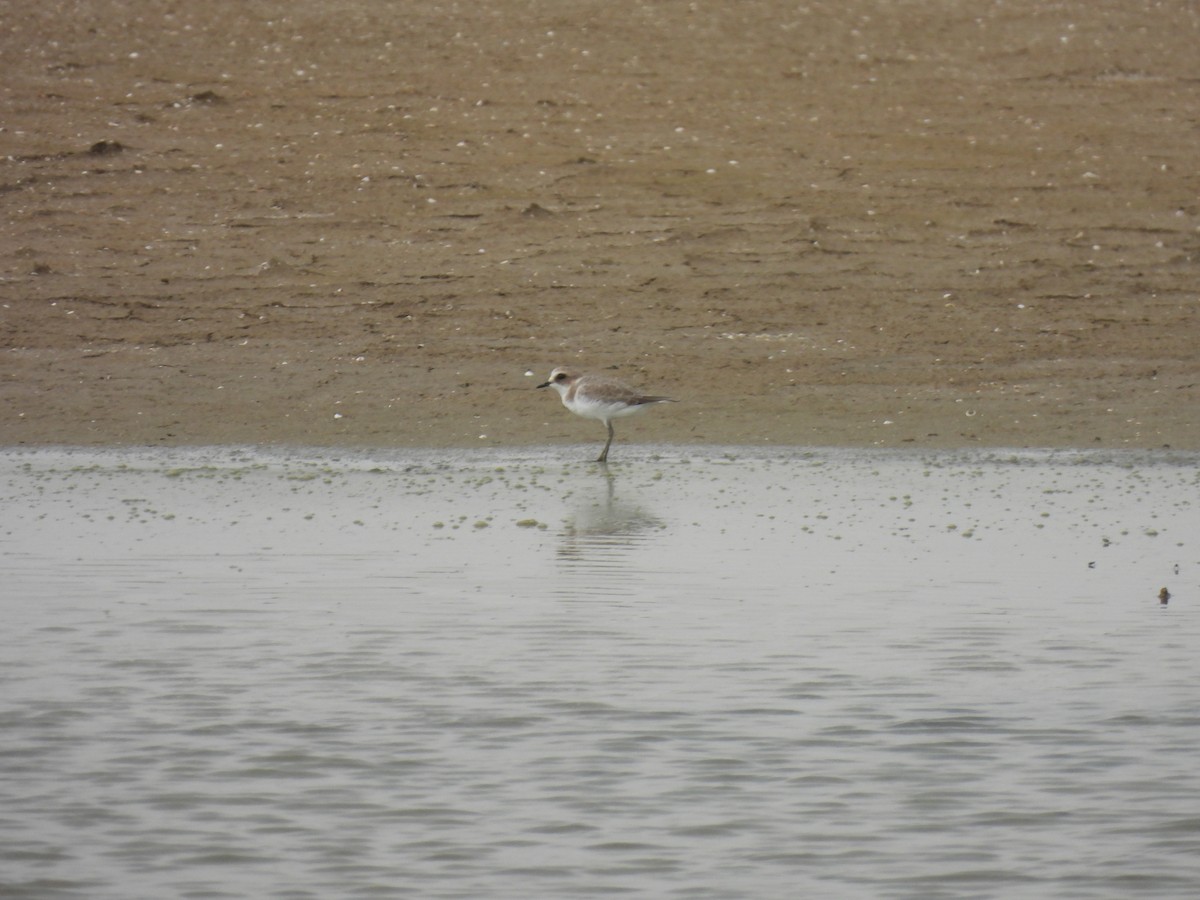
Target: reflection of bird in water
606	524
1163	596
599	397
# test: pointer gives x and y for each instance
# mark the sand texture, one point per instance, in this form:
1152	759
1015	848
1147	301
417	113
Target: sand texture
363	223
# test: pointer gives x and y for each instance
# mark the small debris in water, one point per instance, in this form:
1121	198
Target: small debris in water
1163	596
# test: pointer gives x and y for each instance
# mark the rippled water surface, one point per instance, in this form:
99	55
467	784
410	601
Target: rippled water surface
694	674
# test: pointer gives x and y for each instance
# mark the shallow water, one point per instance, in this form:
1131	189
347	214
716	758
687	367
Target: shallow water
696	674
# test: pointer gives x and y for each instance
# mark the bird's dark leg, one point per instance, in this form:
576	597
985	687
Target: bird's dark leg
604	452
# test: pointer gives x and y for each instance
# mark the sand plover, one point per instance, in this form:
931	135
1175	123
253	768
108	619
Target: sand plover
599	397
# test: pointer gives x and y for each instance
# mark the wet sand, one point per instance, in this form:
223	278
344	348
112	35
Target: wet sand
366	225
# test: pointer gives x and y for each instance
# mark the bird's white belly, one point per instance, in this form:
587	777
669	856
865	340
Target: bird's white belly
602	411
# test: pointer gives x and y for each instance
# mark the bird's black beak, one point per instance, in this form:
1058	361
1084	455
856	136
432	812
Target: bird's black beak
547	384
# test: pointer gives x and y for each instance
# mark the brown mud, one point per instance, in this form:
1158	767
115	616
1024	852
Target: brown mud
361	224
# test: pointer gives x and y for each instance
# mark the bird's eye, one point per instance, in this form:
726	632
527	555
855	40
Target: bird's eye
561	376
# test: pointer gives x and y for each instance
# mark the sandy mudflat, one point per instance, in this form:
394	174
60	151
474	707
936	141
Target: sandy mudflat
362	224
